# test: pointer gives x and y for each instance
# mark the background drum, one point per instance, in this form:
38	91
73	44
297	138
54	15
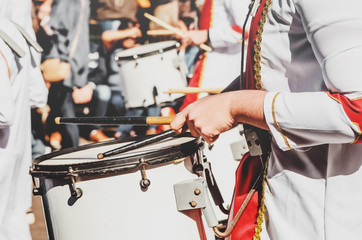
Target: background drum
149	70
112	205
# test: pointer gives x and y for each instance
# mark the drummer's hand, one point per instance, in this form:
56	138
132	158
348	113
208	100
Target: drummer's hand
195	37
82	95
212	115
44	9
182	26
207	117
134	32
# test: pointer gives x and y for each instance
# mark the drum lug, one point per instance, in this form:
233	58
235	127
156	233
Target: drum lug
161	53
145	182
135	58
74	191
36	189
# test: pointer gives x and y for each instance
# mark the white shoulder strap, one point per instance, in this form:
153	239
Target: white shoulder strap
30	41
12	44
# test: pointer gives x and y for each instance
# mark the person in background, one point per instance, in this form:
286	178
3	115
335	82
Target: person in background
65	23
120	30
98	106
220	26
22	87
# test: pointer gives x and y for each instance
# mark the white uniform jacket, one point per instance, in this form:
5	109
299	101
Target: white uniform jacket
311	64
21	87
222	64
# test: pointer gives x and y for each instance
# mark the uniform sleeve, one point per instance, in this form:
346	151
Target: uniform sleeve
227	21
38	93
334	30
6	98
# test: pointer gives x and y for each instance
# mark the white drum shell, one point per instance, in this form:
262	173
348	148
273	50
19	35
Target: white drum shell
142	76
114	207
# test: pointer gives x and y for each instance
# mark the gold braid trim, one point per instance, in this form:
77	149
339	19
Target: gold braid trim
277	124
257	47
259	86
259	220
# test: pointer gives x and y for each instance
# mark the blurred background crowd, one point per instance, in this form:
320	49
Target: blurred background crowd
81	39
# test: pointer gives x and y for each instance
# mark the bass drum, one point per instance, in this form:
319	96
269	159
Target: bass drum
148	71
110	202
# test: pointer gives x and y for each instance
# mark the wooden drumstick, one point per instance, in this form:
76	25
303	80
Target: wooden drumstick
159	32
174	30
138	144
141	121
194	90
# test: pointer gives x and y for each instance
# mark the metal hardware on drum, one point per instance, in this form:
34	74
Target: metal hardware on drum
74	191
214	188
145	182
192	194
198	160
36	189
138	144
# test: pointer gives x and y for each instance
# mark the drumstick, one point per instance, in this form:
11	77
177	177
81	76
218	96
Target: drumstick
174	30
194	90
138	144
159	32
141	121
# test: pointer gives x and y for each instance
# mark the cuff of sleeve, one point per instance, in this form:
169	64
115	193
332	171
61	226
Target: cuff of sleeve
221	39
270	109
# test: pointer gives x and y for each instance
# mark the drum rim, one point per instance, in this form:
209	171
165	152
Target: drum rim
113	165
147	54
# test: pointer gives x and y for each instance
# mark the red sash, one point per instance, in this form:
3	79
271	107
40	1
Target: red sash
249	167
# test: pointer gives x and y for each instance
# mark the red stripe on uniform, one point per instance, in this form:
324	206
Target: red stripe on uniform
353	109
194	82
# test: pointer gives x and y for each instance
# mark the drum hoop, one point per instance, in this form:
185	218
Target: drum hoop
114	165
142	55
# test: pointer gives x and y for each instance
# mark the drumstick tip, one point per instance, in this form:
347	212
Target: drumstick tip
100	156
57	120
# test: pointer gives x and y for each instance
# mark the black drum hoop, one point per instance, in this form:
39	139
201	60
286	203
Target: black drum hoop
114	165
151	53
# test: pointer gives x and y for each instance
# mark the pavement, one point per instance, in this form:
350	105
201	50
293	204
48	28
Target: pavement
38	228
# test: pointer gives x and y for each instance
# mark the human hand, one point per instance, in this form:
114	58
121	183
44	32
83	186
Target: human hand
195	37
45	9
212	115
82	95
207	117
134	32
129	43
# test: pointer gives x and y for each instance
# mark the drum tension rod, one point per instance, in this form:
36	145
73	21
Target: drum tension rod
74	191
145	182
36	189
